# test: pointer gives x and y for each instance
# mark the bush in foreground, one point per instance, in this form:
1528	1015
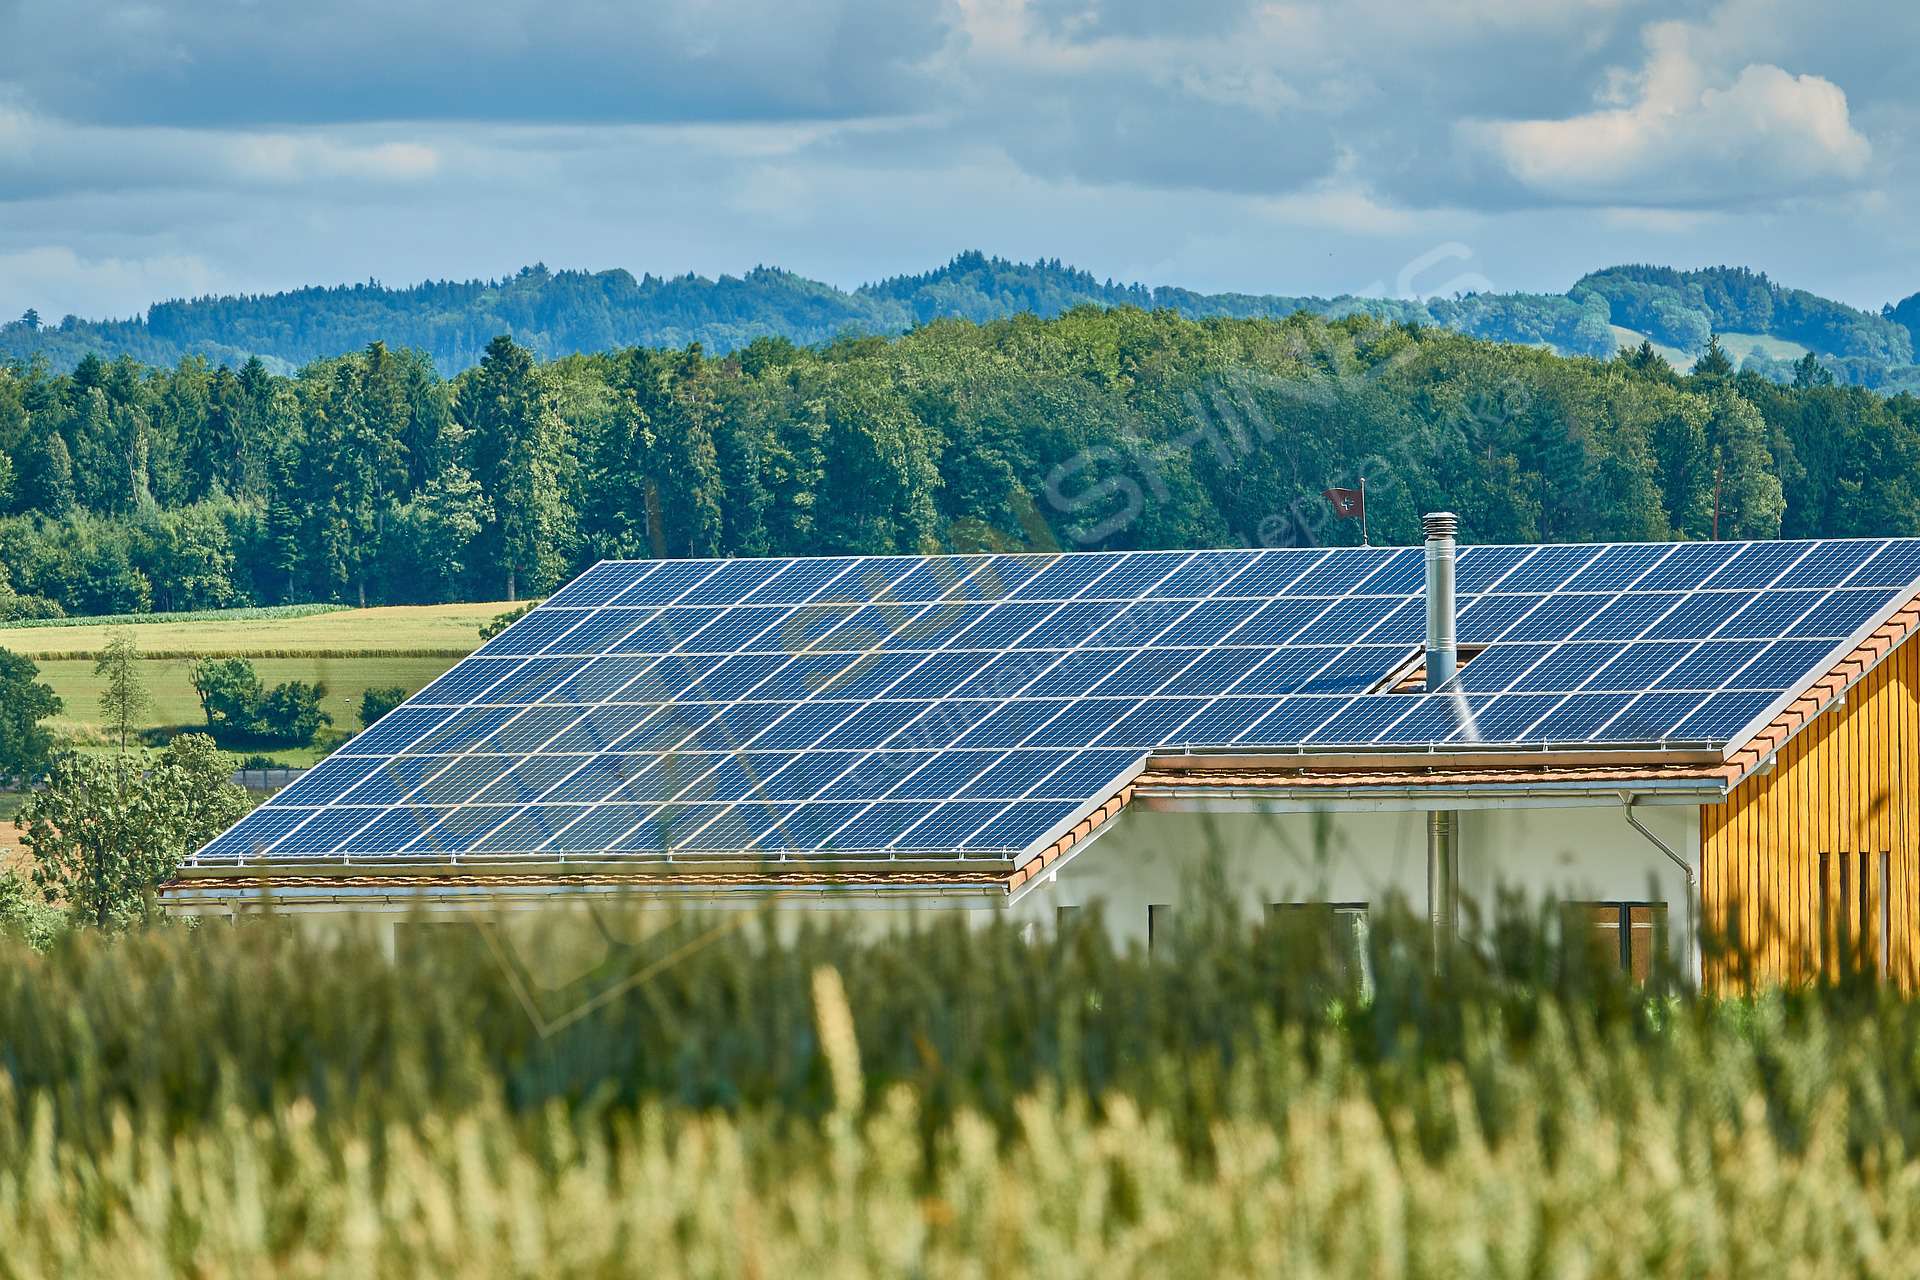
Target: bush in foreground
946	1102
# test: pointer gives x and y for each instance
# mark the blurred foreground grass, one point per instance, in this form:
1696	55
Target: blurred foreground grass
233	1101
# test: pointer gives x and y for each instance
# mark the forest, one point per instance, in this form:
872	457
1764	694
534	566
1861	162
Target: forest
560	313
371	478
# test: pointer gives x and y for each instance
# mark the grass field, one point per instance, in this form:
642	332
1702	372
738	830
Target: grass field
349	651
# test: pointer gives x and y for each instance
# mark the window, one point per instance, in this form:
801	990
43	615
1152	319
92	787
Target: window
1159	924
1339	928
1627	934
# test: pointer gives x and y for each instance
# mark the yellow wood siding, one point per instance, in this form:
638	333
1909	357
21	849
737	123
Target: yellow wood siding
1845	787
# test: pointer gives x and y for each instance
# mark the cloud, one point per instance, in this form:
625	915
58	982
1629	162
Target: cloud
1679	136
95	287
214	64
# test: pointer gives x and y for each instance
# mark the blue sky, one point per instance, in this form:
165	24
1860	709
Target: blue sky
157	149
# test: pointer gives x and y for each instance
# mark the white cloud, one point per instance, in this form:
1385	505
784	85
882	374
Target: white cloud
1677	134
57	281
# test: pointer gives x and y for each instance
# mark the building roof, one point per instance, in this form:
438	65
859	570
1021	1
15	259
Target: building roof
987	708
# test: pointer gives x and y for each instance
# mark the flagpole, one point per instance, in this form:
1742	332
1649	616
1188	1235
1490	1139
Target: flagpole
1364	540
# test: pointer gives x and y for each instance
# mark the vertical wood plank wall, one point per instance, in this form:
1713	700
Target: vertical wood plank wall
1847	786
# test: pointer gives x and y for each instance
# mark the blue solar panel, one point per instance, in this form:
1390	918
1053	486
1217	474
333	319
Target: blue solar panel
1066	577
1014	773
1001	577
943	722
1139	624
1279	622
1842	613
1698	616
668	582
1548	569
734	727
1207	623
1223	721
1509	716
1710	664
739	694
1272	573
1145	672
1152	722
599	829
1759	564
1687	565
801	628
1135	576
1293	720
1202	576
1628	617
461	730
1071	624
798	581
463	779
946	774
1490	618
731	582
1617	568
1085	773
1723	715
1361	720
825	674
947	826
598	680
466	682
601	583
1479	568
460	829
1082	722
1434	717
1896	565
596	633
1020	825
1639	666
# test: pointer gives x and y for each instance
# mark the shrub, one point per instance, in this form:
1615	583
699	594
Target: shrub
375	703
238	710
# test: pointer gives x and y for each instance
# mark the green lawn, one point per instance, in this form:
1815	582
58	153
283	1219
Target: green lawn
349	652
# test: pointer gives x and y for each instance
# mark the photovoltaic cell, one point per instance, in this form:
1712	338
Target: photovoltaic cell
974	704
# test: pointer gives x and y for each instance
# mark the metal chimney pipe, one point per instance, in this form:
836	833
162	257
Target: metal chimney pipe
1442	659
1442	651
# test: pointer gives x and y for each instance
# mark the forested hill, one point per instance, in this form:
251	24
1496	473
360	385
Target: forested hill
570	312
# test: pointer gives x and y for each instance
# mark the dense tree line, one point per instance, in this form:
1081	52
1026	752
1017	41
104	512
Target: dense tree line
371	478
561	313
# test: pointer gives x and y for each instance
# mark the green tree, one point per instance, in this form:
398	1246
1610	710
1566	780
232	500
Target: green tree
124	700
375	703
230	696
1713	362
102	833
26	745
517	445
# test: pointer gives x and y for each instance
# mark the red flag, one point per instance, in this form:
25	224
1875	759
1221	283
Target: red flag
1349	504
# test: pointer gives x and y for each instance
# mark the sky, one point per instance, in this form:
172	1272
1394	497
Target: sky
183	147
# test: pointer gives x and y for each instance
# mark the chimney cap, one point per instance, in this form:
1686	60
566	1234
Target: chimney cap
1439	525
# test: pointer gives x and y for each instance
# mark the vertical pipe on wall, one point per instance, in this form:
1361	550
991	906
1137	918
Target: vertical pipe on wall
1442	656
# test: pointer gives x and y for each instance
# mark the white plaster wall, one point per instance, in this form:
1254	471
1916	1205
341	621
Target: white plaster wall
1149	858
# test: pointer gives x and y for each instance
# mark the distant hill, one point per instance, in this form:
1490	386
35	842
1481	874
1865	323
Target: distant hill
558	313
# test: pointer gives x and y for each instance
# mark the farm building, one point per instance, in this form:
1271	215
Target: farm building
1660	734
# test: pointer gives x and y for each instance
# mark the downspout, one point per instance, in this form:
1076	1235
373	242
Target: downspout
1442	658
1627	799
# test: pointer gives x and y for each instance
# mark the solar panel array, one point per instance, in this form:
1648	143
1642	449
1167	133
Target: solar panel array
973	705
